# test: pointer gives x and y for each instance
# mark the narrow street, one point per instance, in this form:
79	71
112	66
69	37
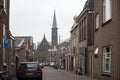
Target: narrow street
57	74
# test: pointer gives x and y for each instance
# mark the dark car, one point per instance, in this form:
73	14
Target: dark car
29	70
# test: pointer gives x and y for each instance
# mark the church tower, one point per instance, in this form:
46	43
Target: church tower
44	45
54	31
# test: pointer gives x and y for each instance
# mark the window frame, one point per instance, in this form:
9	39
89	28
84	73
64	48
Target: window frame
80	31
97	20
12	51
5	5
85	28
107	14
4	51
105	58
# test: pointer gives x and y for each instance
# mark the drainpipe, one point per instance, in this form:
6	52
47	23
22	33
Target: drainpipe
92	48
118	55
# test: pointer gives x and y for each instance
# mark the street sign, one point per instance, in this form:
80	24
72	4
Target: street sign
7	43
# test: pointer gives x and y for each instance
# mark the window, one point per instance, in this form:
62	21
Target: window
80	31
83	29
12	51
107	59
97	21
85	25
4	36
4	30
74	42
5	5
106	10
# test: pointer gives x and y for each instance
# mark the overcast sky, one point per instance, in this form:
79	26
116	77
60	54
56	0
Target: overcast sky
35	17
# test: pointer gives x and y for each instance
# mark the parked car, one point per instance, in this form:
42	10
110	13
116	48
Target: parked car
29	70
52	64
41	65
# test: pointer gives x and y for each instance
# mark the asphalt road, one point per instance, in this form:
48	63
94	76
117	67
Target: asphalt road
57	74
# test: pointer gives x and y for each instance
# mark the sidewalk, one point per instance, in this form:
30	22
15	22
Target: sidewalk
81	77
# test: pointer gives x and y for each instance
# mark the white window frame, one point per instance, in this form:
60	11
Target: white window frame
97	21
106	10
5	5
107	56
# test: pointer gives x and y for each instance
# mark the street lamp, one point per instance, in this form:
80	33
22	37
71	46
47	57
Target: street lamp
1	9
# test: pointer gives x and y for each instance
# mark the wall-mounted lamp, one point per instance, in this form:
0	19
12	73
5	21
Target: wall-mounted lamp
1	9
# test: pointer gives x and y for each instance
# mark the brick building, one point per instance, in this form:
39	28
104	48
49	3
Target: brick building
85	20
7	55
107	40
24	49
82	39
74	44
64	55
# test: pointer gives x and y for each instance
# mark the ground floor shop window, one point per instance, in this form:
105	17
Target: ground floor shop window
107	59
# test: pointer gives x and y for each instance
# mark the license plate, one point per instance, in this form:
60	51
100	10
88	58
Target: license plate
29	73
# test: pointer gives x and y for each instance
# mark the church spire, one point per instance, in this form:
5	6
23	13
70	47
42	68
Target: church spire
44	36
54	31
54	25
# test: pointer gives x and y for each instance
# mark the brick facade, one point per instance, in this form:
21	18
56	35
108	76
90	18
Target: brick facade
82	36
107	35
4	20
74	44
7	55
23	48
